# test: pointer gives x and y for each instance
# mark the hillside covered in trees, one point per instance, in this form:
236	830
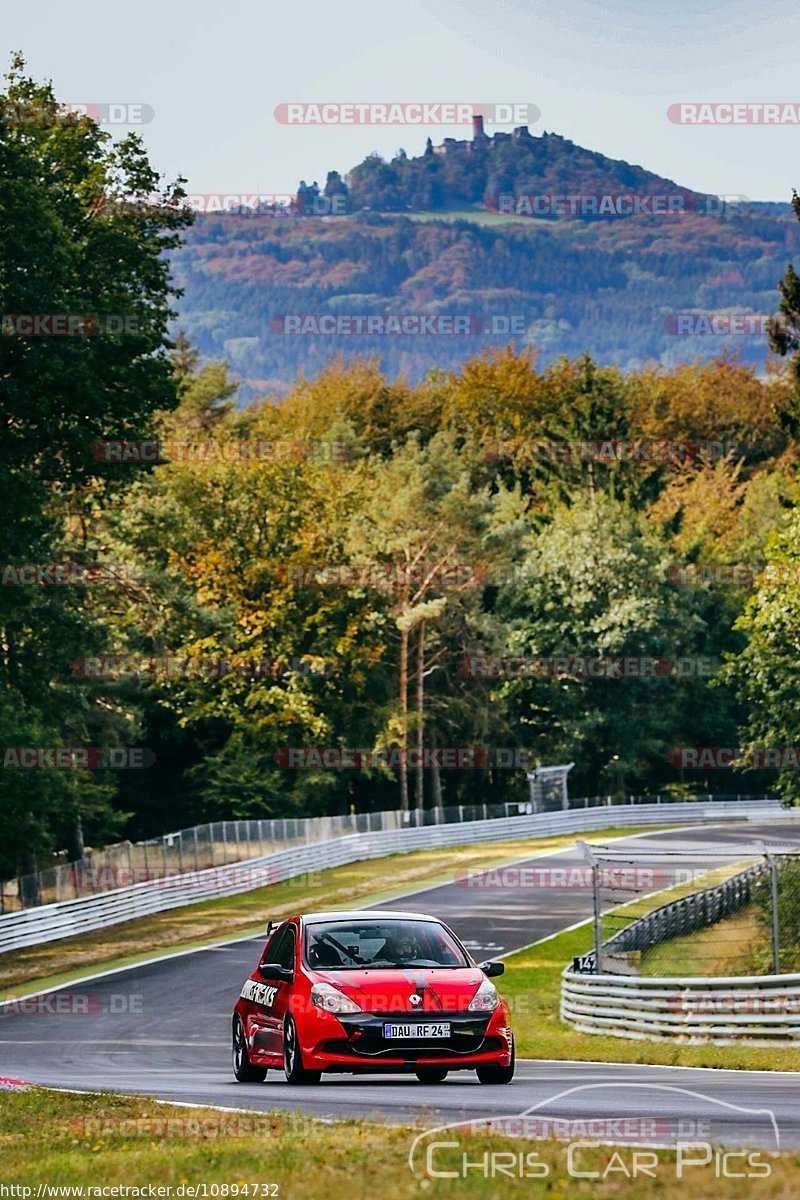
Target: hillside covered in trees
424	236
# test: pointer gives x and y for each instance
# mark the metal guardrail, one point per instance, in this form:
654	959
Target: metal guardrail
223	842
761	1010
51	922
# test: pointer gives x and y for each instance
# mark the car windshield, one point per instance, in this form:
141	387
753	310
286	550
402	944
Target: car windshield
353	945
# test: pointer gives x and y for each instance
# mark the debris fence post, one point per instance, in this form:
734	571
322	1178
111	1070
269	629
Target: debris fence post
776	933
772	866
598	936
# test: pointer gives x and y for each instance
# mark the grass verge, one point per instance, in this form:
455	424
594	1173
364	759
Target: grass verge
104	1141
210	921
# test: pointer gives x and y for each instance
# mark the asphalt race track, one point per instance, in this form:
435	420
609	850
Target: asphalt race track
163	1028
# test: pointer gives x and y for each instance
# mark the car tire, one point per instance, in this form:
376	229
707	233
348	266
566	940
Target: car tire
243	1069
431	1074
492	1073
293	1057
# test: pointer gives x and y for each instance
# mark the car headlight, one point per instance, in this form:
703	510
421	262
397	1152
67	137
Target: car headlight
330	999
485	999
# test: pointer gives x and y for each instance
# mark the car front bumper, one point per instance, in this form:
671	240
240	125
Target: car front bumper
358	1042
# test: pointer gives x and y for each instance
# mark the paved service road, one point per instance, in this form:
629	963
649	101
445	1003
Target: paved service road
163	1028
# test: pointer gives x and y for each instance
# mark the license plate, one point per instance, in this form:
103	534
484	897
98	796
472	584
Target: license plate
434	1030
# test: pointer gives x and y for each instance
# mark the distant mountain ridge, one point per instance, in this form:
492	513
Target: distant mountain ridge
438	235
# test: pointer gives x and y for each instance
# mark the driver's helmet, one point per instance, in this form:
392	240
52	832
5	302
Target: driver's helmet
402	947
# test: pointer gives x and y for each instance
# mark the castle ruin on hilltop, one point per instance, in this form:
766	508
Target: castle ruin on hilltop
480	138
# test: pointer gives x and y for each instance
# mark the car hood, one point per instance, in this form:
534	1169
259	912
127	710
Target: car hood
390	989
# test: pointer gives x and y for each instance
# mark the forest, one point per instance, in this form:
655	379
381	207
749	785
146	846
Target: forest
382	590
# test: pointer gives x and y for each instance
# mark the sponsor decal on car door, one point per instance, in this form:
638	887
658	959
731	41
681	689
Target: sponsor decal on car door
284	955
270	999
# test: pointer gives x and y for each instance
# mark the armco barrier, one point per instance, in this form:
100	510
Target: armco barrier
67	918
221	843
761	1010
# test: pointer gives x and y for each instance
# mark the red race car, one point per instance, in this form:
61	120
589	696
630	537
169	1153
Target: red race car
370	992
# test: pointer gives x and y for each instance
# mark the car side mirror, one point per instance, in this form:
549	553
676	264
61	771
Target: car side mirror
492	967
275	971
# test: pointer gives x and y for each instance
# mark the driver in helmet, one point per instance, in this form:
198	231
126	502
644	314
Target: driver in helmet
401	947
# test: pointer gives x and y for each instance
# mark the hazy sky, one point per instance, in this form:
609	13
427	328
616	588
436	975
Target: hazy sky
602	72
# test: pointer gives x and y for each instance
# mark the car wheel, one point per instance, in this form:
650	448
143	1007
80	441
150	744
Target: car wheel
293	1057
431	1074
492	1073
243	1069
